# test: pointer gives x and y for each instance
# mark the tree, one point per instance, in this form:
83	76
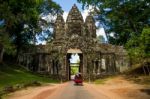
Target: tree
145	42
122	17
139	46
21	20
48	9
16	14
6	45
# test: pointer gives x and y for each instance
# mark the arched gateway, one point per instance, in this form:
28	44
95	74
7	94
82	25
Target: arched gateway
77	36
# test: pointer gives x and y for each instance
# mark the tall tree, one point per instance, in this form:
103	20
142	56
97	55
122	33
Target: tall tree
5	42
122	17
21	20
139	47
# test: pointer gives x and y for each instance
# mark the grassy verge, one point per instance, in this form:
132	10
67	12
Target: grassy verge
17	76
138	79
138	75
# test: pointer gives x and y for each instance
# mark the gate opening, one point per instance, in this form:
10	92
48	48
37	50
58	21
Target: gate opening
74	63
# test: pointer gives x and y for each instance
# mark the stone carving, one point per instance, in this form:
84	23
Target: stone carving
95	60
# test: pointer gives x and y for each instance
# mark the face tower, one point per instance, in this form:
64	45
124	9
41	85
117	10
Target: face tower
76	36
75	25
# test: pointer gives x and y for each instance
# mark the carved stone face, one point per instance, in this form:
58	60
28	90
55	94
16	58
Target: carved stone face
74	36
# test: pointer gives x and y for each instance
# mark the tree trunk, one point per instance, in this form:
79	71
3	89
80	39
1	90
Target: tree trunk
144	70
1	53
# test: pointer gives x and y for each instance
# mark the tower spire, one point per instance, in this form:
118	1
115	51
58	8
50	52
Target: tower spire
74	22
59	29
90	25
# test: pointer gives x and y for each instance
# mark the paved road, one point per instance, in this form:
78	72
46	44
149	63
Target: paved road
117	88
71	91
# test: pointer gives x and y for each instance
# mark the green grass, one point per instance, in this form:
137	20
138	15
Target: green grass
15	74
100	81
74	70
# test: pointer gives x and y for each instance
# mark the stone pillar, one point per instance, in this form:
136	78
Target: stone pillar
51	69
64	65
114	63
107	63
81	67
68	66
61	65
99	67
84	65
39	60
48	67
94	66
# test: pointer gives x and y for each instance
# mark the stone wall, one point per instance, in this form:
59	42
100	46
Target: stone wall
96	59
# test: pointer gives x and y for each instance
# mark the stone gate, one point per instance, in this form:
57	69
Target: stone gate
76	36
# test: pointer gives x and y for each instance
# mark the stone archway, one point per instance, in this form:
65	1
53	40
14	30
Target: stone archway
76	36
68	64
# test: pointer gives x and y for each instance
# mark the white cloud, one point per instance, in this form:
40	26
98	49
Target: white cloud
65	14
41	42
85	13
101	31
49	17
74	58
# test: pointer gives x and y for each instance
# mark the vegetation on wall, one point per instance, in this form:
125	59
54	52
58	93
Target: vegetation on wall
127	23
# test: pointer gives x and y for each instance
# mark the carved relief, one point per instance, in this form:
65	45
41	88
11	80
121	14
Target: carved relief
77	34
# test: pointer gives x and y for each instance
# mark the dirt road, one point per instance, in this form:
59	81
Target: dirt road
71	91
117	88
63	91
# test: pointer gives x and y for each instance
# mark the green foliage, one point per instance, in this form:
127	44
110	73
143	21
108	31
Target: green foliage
100	81
127	20
122	17
15	74
139	46
74	70
21	21
49	6
16	14
6	43
145	42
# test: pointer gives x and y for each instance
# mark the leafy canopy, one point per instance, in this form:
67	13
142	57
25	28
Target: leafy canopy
122	17
21	20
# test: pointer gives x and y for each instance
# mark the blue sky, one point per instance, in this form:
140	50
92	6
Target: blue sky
67	4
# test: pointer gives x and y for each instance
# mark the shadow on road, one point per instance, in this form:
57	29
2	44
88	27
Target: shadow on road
147	91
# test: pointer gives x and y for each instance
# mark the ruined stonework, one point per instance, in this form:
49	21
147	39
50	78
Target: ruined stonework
76	36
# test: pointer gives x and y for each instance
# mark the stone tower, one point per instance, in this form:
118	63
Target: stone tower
76	36
74	23
59	28
90	26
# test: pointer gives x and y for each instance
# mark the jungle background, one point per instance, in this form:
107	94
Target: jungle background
126	23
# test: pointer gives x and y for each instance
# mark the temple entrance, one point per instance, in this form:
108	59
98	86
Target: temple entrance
74	63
